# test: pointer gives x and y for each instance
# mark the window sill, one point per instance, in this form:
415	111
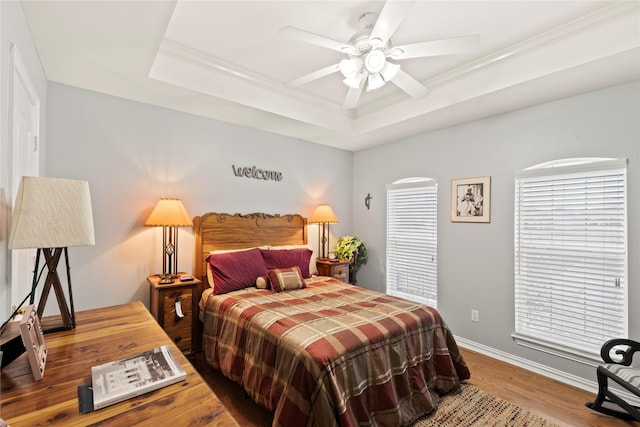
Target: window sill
585	357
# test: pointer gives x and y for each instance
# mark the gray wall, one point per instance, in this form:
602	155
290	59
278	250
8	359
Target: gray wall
132	154
475	269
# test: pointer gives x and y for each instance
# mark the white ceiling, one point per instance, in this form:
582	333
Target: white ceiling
226	60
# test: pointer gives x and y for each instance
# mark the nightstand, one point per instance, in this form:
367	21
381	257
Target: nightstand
166	304
338	270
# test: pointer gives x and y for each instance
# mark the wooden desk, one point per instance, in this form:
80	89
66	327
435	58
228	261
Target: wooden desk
103	335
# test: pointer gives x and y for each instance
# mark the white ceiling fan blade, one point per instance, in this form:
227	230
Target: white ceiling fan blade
353	96
410	85
392	14
318	40
435	47
315	75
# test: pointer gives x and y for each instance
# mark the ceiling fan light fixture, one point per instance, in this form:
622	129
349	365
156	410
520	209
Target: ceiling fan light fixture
375	81
350	67
376	42
396	53
355	81
374	61
389	71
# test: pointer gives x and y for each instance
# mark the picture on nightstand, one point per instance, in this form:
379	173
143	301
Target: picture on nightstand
33	340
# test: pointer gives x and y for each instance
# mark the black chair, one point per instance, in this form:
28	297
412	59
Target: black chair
621	373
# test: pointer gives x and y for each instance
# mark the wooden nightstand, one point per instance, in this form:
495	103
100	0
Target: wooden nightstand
338	270
162	304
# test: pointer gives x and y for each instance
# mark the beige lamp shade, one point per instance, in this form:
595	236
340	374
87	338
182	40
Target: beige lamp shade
323	215
51	213
169	213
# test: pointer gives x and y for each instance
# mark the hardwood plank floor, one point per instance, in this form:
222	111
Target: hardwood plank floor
553	400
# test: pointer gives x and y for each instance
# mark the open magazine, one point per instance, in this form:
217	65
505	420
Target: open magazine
126	378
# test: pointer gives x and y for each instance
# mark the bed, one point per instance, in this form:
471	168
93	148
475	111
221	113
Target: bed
313	350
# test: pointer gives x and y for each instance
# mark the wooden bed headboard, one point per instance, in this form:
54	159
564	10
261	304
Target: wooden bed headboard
216	231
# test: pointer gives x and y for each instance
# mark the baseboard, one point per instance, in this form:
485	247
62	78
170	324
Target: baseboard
564	377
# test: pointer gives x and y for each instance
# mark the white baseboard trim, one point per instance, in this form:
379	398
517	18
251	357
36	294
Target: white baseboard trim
564	377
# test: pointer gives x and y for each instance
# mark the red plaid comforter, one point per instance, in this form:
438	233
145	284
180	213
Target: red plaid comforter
332	354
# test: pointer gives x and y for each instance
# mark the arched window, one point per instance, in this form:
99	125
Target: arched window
571	256
412	249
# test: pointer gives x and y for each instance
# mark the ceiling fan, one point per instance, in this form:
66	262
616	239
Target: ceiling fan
371	55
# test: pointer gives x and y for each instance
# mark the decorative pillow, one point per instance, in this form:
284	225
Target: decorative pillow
236	270
286	258
312	262
262	282
285	279
225	251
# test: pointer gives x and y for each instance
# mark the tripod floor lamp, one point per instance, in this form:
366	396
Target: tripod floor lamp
51	214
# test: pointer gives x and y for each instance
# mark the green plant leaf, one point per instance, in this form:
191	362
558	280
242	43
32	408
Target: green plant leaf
352	249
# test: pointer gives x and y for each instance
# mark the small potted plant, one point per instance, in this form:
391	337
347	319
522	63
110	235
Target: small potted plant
352	249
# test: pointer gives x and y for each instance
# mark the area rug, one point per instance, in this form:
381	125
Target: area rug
474	407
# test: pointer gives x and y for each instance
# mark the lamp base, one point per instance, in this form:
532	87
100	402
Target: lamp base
67	318
167	278
51	324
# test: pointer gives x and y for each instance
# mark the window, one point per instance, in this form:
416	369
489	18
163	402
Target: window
571	256
412	259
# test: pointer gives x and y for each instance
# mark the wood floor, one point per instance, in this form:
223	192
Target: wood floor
553	400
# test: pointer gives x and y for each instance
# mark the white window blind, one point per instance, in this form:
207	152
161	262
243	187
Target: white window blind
571	257
412	258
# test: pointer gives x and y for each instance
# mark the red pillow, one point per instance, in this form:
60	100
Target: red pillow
236	270
286	258
286	279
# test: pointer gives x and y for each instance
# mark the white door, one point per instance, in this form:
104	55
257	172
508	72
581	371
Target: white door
24	122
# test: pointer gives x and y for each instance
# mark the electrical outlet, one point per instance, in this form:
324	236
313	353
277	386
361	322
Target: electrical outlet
475	316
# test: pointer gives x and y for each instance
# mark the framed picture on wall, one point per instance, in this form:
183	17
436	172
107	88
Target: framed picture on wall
471	199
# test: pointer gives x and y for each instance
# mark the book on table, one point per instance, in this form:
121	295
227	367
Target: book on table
123	379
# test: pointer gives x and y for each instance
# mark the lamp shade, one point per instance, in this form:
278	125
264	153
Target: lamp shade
169	213
51	213
323	215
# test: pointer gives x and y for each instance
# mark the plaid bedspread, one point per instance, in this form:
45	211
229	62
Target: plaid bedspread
332	354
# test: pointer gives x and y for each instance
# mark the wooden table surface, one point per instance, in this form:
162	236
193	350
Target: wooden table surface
103	335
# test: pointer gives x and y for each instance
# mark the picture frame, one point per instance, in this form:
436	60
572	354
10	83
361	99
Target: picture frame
33	340
471	199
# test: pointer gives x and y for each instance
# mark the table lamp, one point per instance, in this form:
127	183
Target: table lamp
169	214
324	216
51	214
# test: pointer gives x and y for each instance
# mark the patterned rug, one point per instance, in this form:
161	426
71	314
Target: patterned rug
474	407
